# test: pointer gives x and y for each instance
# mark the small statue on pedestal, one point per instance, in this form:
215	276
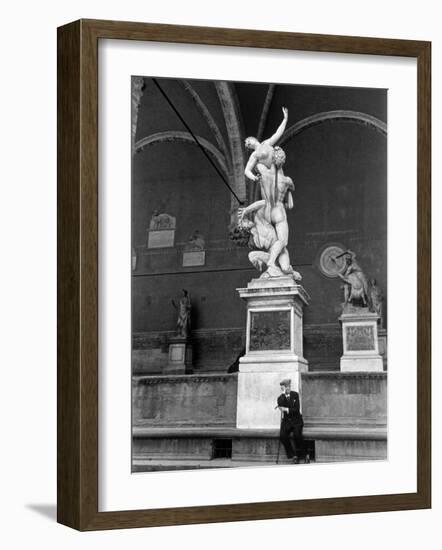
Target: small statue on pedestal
196	242
161	220
356	291
180	345
184	310
359	318
359	291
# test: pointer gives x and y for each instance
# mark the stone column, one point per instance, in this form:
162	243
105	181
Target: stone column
273	348
360	342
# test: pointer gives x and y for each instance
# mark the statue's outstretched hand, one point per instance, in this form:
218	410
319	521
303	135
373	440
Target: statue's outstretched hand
241	213
285	112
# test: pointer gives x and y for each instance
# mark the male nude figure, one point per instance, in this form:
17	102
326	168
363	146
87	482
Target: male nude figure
263	236
276	193
268	223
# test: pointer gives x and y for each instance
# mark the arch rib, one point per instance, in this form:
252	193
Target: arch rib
265	111
319	118
202	108
229	105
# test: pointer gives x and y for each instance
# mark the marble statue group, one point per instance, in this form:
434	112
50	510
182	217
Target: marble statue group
266	219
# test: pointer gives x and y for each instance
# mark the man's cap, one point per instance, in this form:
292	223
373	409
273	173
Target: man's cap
286	382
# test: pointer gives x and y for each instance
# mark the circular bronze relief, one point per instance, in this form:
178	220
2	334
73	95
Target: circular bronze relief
329	263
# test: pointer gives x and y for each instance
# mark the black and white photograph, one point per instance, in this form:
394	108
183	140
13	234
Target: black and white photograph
259	274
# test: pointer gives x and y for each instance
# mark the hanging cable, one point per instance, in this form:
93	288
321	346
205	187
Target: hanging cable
166	97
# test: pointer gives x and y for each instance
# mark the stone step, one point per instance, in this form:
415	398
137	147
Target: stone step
146	465
206	447
317	430
156	446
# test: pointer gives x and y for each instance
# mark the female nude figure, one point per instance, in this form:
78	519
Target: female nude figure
264	152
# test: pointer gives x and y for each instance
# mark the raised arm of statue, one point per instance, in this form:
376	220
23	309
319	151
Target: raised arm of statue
281	129
253	159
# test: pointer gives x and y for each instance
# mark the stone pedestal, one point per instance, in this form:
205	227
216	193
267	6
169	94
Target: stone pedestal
180	356
360	342
273	348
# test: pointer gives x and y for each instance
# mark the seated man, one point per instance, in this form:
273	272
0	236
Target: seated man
291	422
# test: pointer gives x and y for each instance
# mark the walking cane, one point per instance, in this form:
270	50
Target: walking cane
279	439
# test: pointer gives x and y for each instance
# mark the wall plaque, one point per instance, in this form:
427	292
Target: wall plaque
269	330
161	238
177	352
360	338
194	258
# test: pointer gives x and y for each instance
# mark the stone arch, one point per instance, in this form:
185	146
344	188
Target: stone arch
173	135
319	118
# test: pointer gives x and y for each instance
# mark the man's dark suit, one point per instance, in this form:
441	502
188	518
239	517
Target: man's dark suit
291	424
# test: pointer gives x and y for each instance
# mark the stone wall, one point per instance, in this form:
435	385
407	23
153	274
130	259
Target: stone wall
345	399
178	418
184	400
346	414
215	350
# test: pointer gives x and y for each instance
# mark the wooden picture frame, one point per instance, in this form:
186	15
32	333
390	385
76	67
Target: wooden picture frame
77	460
